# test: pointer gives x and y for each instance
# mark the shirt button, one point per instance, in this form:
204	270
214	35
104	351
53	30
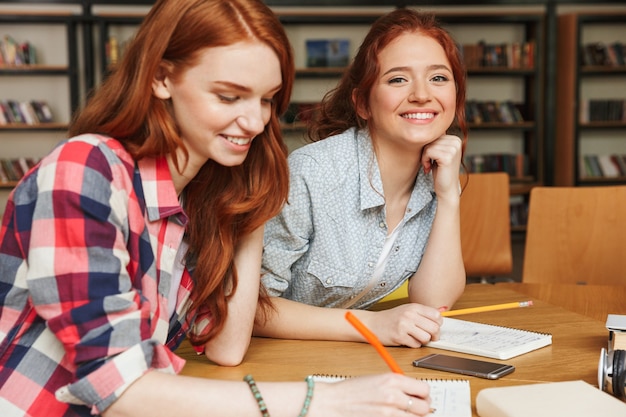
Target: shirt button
370	264
329	281
397	248
409	210
381	225
382	284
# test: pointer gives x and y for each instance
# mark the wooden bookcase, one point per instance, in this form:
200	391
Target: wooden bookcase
577	137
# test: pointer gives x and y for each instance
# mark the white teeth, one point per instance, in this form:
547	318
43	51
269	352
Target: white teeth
421	116
238	141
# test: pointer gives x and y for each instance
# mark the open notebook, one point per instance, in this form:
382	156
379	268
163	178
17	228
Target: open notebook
488	340
449	397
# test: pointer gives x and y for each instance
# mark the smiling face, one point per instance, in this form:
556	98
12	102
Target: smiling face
413	100
223	101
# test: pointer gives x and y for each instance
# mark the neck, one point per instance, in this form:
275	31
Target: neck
398	172
181	179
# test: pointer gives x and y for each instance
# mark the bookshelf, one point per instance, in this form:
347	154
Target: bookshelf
508	72
589	132
52	78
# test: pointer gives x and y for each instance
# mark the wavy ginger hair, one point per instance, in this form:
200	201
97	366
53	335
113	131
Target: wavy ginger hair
338	111
223	203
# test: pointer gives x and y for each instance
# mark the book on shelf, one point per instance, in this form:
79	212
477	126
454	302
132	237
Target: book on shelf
602	166
14	53
602	110
13	169
491	111
516	165
327	53
114	50
519	210
25	112
487	340
514	55
449	397
565	398
602	54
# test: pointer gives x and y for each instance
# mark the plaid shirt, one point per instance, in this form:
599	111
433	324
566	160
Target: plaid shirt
87	249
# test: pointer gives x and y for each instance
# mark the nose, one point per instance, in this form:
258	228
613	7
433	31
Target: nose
253	119
419	92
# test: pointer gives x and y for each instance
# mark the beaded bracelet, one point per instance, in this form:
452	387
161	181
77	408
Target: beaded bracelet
257	395
309	396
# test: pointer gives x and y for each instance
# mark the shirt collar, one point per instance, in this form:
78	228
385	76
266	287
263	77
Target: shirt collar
158	188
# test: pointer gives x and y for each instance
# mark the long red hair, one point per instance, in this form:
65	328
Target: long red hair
223	203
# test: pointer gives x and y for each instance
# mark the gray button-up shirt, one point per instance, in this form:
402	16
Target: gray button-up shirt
323	247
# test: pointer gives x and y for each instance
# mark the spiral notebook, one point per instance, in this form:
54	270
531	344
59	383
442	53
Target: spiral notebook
449	397
488	340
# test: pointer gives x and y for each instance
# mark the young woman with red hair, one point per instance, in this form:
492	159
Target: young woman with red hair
374	202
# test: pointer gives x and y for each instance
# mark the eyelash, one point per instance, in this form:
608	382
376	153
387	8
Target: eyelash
436	78
440	78
396	80
228	99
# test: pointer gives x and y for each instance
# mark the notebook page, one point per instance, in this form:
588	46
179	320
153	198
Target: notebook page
487	340
449	397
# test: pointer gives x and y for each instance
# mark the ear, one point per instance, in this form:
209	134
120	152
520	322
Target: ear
362	112
160	83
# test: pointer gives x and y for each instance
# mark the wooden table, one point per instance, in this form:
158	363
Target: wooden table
574	353
596	301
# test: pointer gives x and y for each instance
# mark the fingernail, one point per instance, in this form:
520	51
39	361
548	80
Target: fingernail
443	308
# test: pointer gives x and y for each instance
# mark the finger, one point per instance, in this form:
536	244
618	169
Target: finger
418	406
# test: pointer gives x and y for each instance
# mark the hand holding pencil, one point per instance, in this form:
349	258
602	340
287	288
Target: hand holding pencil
384	353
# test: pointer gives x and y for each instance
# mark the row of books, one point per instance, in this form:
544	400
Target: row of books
602	110
516	55
600	53
493	111
13	169
25	112
516	165
603	166
14	53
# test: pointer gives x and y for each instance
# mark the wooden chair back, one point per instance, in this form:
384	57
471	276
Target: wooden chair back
576	235
486	225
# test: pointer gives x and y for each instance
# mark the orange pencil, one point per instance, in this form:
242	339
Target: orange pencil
373	340
487	308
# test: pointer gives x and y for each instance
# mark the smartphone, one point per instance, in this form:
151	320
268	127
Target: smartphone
464	366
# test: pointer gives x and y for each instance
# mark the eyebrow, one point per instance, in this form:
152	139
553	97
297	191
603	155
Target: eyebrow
430	68
244	88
